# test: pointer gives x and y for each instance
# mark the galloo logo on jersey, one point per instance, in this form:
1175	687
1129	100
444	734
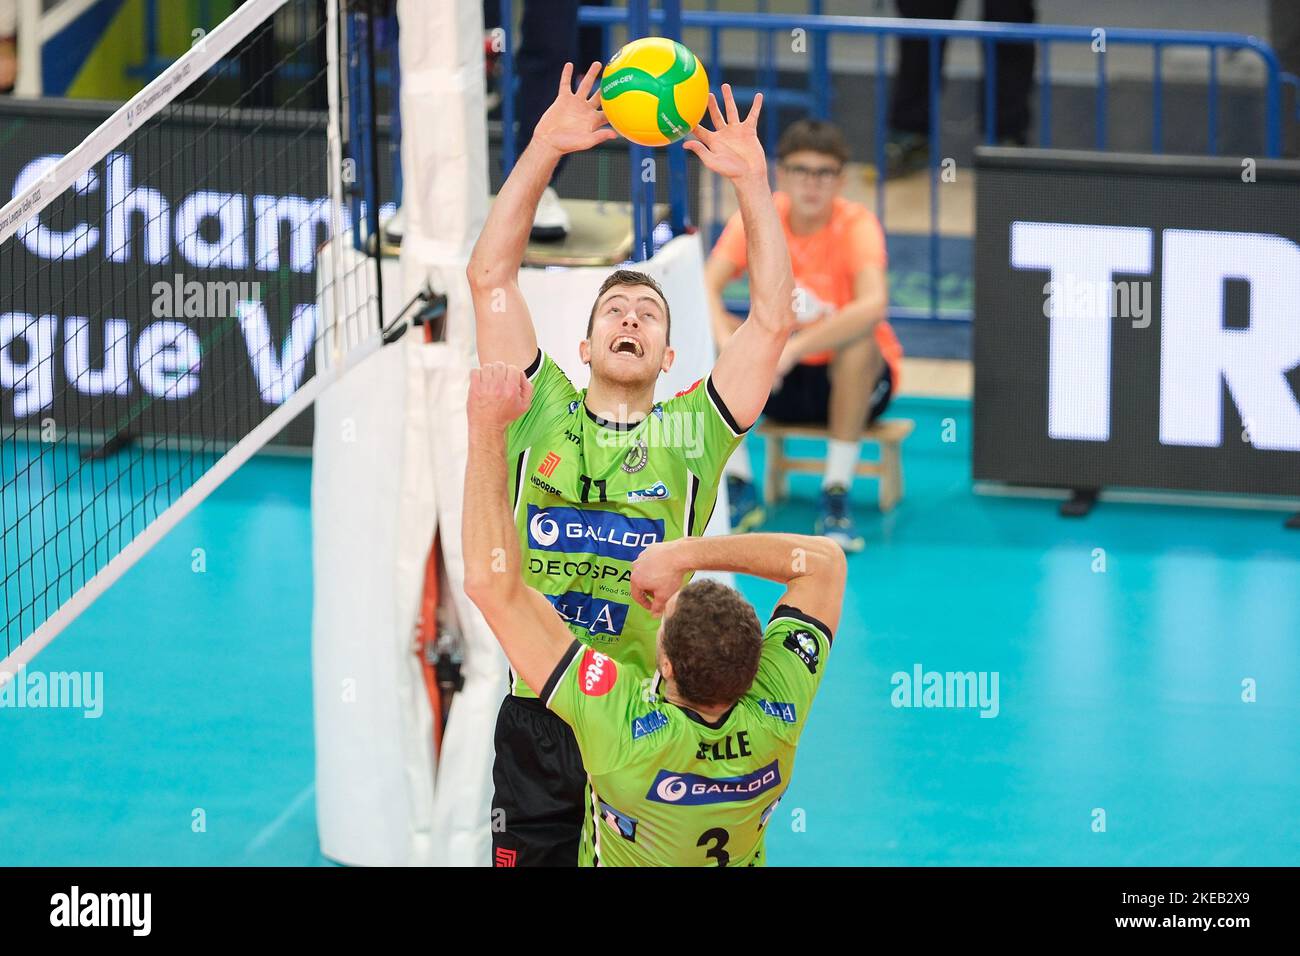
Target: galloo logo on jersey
545	530
670	789
692	789
598	673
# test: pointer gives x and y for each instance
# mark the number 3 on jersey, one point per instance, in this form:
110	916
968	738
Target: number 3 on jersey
718	837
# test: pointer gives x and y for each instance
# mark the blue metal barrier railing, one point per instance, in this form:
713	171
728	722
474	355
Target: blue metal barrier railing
671	20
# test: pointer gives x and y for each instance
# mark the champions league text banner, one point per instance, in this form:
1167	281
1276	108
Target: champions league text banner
173	290
1137	322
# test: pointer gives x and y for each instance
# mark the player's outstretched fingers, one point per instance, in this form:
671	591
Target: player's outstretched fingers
733	114
704	134
566	79
754	110
715	114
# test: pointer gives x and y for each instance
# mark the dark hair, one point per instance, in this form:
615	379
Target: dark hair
631	277
815	136
713	641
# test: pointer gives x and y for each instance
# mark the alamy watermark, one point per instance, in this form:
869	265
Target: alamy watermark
922	688
1075	298
663	429
179	299
38	690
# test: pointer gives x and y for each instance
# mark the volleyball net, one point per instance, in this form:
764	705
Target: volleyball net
175	290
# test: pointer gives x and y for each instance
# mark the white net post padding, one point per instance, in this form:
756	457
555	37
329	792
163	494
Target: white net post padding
377	507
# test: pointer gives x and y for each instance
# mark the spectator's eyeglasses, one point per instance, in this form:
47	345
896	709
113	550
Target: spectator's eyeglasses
820	175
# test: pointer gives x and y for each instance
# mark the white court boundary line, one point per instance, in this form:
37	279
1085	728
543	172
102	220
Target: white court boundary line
196	61
171	516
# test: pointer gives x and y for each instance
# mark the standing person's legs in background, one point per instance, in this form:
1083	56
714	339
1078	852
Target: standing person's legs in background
1284	38
908	146
1015	73
548	38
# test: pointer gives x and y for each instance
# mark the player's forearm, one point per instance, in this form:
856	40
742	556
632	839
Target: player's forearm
855	320
724	324
771	280
488	537
776	557
499	251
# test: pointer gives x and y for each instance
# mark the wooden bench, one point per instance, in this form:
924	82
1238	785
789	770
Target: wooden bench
888	433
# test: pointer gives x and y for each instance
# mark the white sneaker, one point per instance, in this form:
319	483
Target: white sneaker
551	223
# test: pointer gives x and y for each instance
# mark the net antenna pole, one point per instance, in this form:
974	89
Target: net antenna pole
334	148
373	16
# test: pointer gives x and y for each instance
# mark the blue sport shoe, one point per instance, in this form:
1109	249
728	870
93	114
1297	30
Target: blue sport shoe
746	512
836	523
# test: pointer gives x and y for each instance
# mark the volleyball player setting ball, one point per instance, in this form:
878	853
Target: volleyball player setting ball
592	483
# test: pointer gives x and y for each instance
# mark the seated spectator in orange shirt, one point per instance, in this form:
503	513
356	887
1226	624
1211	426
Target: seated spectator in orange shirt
842	365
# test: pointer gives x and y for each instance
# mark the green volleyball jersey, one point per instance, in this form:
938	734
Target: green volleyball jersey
665	788
590	495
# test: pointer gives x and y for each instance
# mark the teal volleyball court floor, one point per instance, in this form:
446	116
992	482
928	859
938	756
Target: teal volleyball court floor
1119	691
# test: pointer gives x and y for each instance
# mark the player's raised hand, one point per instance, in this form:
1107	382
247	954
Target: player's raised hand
656	577
498	394
574	121
732	148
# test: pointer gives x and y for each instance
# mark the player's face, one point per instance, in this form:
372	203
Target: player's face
629	336
811	180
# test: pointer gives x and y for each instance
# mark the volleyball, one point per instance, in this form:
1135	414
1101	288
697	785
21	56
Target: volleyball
654	90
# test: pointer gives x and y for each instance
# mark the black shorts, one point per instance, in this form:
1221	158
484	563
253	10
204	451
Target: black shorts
805	396
539	787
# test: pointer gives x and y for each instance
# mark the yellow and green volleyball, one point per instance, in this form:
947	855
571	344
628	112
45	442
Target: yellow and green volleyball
654	91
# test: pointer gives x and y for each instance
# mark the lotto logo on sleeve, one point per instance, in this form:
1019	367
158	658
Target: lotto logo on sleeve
607	534
596	673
